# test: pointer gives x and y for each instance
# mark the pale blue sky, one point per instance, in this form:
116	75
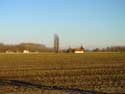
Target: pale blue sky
93	23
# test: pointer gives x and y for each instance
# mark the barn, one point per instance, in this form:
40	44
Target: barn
79	51
26	51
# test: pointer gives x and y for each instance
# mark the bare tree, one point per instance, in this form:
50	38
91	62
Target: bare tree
56	43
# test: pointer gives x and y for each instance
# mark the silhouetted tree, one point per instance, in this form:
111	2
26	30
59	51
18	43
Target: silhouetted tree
56	43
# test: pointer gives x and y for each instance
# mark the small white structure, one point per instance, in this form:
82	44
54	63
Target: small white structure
79	51
26	51
9	52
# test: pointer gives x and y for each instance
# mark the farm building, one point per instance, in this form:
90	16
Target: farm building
9	52
78	51
26	51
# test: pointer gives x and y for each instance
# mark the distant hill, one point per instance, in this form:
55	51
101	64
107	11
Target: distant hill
33	47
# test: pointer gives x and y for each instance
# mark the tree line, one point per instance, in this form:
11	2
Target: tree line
110	49
32	47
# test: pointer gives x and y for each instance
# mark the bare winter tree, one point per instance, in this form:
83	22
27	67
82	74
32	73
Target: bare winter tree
56	43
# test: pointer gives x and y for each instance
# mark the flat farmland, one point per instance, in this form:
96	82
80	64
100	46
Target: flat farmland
51	73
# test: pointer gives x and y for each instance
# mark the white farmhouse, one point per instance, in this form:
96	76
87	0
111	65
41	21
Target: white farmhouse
26	51
79	51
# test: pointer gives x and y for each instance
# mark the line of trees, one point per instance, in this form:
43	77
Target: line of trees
32	47
24	46
110	49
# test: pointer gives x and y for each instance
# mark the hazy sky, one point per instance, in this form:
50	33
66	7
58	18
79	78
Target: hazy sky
93	23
